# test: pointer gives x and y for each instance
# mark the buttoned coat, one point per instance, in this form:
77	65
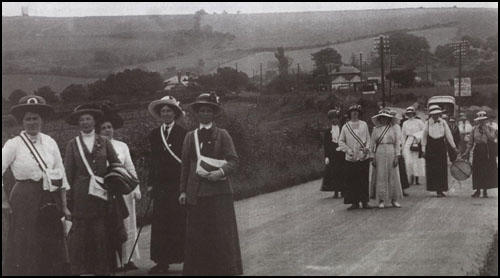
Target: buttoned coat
193	185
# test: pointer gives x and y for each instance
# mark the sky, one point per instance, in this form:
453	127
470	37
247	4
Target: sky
77	9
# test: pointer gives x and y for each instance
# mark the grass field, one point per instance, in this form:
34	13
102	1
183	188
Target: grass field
31	82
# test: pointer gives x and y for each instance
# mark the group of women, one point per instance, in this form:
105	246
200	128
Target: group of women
399	156
193	213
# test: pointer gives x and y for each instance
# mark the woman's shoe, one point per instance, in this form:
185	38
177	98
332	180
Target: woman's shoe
405	194
441	195
395	204
485	194
159	269
130	266
366	206
381	205
353	206
476	194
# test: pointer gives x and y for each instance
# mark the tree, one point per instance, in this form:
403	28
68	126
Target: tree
445	54
16	95
75	93
225	79
410	50
325	57
474	41
283	61
197	20
48	94
405	77
492	42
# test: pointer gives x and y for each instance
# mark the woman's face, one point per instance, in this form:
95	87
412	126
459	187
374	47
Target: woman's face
32	123
167	114
206	114
354	115
86	123
107	130
435	117
384	120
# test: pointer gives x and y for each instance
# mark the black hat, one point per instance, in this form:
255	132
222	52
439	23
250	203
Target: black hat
333	113
120	180
110	116
35	104
91	109
210	99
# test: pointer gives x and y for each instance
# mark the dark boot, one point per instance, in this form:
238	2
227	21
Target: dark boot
476	194
485	193
440	194
336	195
159	269
416	181
353	206
366	205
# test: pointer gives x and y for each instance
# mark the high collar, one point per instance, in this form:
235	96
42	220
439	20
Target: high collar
168	126
432	121
206	126
34	138
88	135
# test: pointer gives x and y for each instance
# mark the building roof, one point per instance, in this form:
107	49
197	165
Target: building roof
345	69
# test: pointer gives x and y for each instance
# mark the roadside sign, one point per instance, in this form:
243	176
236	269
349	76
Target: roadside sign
465	90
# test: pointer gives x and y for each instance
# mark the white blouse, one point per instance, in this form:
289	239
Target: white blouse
437	129
411	127
16	155
123	153
349	145
88	139
335	131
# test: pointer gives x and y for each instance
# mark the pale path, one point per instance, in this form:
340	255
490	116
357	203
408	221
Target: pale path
301	231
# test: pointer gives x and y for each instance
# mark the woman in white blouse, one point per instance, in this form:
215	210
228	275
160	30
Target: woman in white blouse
107	126
434	147
37	202
412	135
354	140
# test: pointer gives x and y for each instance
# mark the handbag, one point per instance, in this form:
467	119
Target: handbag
415	146
52	178
204	164
96	183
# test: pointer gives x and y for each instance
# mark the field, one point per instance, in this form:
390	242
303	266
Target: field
31	82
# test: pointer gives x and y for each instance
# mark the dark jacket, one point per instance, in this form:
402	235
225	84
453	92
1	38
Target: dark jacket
165	171
193	185
84	205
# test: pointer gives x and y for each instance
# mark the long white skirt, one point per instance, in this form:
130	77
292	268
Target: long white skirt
414	166
131	228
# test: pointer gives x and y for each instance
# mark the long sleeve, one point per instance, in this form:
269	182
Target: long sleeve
449	136
111	153
8	156
424	136
229	154
373	143
397	147
367	135
404	133
58	164
69	162
186	163
470	143
127	161
343	140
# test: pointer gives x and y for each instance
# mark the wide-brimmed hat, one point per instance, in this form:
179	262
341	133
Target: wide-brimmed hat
35	104
210	99
110	115
333	113
435	109
83	109
481	115
382	113
354	107
410	110
154	106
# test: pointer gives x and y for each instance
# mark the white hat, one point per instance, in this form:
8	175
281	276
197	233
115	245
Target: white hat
166	100
383	113
435	109
410	109
481	115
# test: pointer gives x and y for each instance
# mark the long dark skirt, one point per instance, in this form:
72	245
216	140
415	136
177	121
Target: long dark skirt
333	177
356	182
402	173
35	243
484	167
168	229
436	164
212	242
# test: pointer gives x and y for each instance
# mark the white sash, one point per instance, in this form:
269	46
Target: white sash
95	188
47	174
211	161
165	144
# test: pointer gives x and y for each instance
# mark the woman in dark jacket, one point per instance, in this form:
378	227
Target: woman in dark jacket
333	179
208	160
169	217
93	235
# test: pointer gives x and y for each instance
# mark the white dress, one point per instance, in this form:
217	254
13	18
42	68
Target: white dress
413	130
130	222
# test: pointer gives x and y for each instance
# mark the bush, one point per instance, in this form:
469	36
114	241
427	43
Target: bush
48	94
75	93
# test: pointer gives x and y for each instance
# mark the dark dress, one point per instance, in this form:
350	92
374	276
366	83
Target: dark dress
333	178
436	164
357	182
484	166
212	242
169	217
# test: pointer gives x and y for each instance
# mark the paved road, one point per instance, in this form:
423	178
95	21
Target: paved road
301	231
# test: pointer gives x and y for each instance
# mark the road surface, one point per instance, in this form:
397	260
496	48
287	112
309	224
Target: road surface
301	231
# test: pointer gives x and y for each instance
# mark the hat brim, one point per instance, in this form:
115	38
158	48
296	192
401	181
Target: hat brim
74	118
196	105
44	110
153	108
481	118
436	112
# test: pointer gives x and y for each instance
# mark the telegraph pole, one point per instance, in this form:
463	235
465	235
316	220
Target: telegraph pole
361	70
381	49
236	67
460	48
390	80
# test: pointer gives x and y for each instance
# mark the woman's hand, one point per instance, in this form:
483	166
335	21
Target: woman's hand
182	199
137	195
6	206
327	161
395	162
67	213
215	175
374	164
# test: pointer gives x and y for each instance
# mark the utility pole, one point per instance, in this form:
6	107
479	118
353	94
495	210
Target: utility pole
390	71
460	48
361	70
236	67
426	67
382	46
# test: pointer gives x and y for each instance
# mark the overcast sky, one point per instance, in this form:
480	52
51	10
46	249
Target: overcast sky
67	9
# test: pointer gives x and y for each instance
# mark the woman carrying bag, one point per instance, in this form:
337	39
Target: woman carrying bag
208	160
35	242
412	130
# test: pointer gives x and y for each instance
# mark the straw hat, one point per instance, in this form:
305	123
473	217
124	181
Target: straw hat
35	104
210	99
166	100
410	110
354	107
83	109
481	115
435	109
383	113
333	113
